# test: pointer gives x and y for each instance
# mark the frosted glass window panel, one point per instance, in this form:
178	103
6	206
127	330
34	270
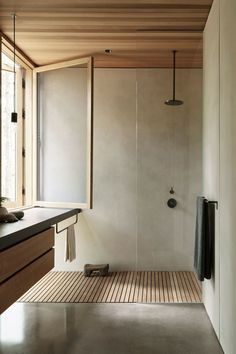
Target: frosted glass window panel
62	135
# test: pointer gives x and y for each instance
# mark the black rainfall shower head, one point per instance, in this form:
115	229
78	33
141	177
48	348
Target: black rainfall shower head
173	101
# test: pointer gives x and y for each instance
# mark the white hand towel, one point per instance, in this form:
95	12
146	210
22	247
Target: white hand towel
70	252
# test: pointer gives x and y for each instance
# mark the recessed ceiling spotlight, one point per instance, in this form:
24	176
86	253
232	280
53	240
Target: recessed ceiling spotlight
108	51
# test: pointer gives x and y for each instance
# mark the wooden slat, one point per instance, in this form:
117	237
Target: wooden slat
149	287
113	297
153	287
129	286
166	295
92	289
173	287
59	286
132	289
189	286
124	288
114	283
38	287
181	287
161	287
54	31
120	288
194	275
108	288
102	289
196	284
64	287
143	287
71	287
83	285
48	295
157	287
145	283
39	293
170	289
85	290
75	289
36	290
186	290
137	285
177	288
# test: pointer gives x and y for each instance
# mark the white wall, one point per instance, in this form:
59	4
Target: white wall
228	175
211	145
141	148
220	154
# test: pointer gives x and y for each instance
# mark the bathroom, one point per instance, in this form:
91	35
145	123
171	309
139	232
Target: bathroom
113	134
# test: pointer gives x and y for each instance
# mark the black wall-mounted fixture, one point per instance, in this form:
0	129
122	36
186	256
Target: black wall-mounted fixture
173	101
172	203
14	114
172	190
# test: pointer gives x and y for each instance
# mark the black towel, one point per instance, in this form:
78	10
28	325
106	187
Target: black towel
204	238
210	240
199	250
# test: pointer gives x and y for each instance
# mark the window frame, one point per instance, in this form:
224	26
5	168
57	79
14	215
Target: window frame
24	127
29	163
89	119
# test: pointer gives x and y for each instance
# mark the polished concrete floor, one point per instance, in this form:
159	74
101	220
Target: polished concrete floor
107	329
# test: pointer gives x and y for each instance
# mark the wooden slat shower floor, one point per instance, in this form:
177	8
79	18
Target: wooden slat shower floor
118	287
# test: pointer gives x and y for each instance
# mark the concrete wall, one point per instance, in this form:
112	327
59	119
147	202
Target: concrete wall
169	154
141	148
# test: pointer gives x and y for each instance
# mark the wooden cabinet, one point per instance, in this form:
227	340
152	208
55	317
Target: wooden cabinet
22	265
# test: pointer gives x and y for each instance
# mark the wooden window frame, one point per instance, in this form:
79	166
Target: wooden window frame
89	119
24	165
28	169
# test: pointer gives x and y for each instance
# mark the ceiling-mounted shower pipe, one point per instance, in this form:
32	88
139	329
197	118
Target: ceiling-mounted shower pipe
174	101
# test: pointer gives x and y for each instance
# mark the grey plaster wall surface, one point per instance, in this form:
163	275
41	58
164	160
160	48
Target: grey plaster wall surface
169	154
141	148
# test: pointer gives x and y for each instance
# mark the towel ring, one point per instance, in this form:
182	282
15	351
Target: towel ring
59	231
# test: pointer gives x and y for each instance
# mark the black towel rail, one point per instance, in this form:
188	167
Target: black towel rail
214	202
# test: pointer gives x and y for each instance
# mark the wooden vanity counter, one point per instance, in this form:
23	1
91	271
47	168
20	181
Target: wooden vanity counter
26	251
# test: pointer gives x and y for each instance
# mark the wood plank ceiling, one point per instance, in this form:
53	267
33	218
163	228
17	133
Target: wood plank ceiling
140	33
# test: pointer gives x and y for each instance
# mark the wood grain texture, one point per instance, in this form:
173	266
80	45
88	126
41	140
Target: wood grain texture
118	287
18	284
18	256
56	30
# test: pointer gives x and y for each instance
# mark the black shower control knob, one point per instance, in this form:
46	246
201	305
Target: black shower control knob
172	203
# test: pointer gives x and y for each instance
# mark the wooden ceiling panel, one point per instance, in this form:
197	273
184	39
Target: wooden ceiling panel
141	33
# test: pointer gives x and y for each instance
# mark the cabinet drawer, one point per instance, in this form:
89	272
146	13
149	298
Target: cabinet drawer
17	257
18	284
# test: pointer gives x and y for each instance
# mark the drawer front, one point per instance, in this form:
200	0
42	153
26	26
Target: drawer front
18	284
17	257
